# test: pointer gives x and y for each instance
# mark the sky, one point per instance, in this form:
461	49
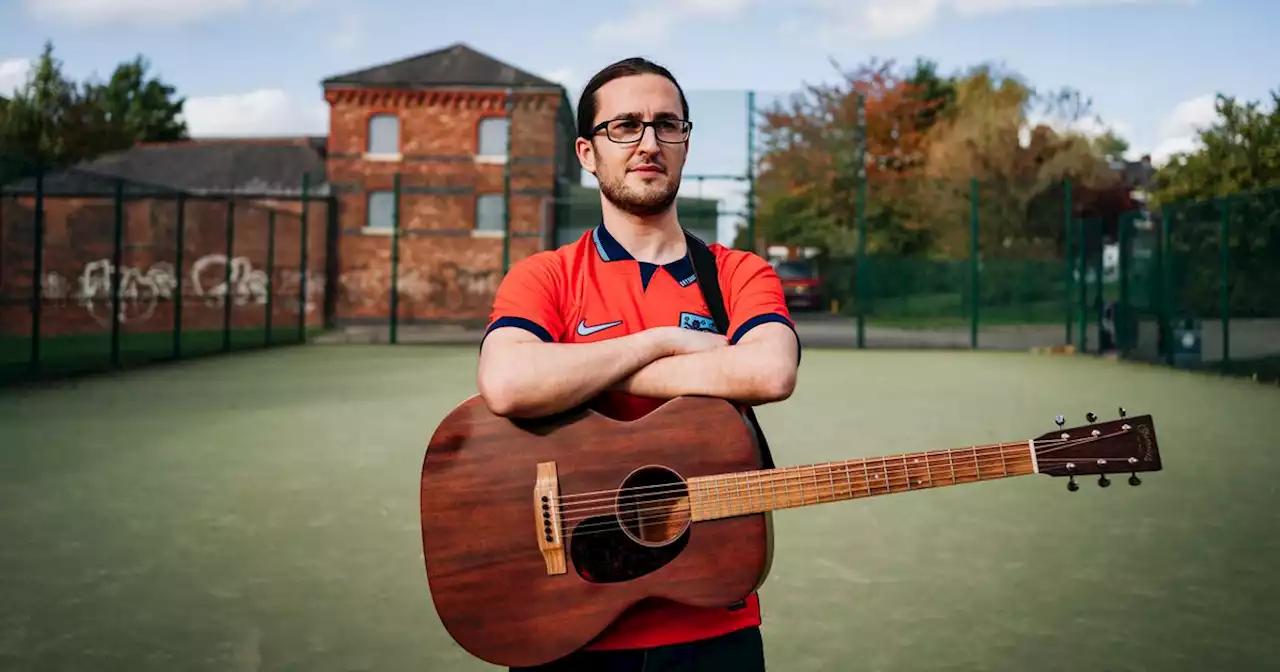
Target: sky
253	67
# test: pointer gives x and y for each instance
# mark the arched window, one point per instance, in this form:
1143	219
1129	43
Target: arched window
384	135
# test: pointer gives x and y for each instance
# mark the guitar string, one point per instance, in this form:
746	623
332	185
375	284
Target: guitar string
813	476
792	476
576	498
744	506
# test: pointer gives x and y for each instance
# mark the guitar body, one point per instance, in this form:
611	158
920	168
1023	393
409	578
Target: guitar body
481	529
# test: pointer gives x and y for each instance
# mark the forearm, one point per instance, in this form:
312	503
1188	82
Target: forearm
534	379
750	373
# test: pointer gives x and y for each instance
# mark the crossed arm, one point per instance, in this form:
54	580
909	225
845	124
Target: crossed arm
522	376
524	373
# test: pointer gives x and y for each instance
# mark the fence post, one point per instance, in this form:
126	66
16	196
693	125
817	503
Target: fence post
751	172
226	272
116	253
860	274
973	262
1083	297
1224	263
506	187
1067	254
271	271
395	256
302	262
1166	288
179	274
37	280
1124	335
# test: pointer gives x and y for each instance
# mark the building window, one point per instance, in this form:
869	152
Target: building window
381	210
493	138
384	135
490	211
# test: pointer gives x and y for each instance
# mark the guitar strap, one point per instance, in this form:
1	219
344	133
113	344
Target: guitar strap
704	267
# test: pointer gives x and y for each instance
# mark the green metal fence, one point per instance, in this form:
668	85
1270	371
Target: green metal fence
1199	285
100	273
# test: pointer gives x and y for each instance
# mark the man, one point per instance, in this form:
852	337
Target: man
616	320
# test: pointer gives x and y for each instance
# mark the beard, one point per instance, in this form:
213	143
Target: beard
643	201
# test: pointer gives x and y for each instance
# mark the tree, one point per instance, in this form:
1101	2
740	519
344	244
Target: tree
53	121
814	148
988	137
1239	151
143	109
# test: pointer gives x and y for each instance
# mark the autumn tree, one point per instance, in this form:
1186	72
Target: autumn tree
819	145
987	137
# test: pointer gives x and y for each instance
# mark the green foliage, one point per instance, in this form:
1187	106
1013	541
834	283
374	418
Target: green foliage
1240	151
53	121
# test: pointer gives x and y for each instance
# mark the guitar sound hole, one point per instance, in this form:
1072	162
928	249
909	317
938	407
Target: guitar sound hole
648	529
653	506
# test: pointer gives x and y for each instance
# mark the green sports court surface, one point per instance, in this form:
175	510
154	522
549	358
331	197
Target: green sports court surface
259	512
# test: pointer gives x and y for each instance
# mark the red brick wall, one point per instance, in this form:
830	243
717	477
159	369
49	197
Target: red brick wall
448	271
77	252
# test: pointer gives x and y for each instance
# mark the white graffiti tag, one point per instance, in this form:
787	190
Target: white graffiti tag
140	290
209	280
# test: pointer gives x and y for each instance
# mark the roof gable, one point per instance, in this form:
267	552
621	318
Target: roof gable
455	65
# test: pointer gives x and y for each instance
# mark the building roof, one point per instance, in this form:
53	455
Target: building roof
455	65
246	166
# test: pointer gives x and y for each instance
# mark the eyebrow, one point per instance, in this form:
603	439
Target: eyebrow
637	115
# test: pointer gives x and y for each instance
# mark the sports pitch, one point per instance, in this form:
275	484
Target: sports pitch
260	512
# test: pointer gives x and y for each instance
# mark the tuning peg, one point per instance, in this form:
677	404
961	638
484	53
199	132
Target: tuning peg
1060	421
1123	412
1091	417
1133	477
1072	486
1103	481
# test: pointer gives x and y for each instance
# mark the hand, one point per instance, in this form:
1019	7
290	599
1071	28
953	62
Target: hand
680	341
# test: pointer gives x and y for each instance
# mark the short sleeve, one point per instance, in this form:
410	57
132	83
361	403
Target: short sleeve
529	297
754	293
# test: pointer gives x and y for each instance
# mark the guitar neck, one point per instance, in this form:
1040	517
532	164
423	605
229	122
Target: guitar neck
744	493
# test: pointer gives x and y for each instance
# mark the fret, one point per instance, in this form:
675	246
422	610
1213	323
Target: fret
884	471
719	499
952	461
906	468
848	479
976	466
787	488
832	482
928	468
773	490
1003	465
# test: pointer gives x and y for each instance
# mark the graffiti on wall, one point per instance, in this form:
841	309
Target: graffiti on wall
142	289
448	288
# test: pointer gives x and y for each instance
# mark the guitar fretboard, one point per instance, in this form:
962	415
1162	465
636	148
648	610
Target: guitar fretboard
727	495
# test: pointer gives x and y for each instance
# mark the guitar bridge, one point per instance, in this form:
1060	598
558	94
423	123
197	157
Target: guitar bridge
546	507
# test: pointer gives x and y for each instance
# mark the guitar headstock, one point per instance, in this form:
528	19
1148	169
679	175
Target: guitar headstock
1123	446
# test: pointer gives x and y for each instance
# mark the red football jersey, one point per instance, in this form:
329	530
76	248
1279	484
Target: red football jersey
593	289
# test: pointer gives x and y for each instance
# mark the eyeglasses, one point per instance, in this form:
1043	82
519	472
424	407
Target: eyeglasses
627	131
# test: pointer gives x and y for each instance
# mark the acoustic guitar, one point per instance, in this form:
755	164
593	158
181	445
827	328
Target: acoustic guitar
537	535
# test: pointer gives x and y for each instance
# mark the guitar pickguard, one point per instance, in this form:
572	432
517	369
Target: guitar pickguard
647	529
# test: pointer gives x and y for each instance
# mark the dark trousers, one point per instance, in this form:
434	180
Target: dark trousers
738	651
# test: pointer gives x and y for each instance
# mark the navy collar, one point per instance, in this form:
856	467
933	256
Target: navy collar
610	249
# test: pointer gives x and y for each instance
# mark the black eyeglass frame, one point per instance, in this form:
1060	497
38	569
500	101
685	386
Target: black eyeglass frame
644	126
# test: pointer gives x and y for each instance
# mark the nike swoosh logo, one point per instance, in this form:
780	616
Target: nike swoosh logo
584	330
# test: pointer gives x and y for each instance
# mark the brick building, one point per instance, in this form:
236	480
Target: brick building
439	121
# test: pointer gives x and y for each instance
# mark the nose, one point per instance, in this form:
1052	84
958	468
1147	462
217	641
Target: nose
648	143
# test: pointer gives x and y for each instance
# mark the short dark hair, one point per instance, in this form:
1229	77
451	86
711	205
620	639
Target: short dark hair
624	68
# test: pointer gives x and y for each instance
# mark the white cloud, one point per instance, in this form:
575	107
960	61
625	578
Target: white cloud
651	22
13	75
841	20
150	13
1178	130
266	112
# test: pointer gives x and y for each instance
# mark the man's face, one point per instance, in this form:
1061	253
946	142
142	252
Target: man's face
639	177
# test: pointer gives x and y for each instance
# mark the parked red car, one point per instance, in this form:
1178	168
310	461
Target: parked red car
801	284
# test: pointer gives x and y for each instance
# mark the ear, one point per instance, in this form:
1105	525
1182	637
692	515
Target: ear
586	152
